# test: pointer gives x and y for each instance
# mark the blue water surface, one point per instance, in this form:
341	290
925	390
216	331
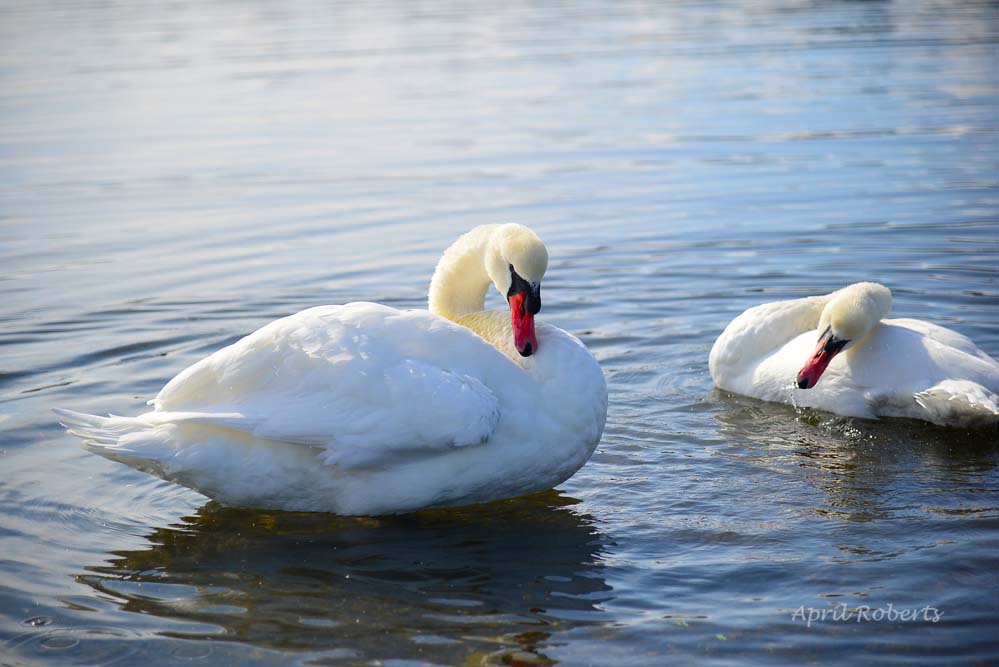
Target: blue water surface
174	175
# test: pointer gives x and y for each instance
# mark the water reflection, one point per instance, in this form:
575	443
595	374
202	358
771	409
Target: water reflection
867	469
485	584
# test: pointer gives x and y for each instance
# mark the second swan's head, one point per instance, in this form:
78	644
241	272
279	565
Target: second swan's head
516	261
851	314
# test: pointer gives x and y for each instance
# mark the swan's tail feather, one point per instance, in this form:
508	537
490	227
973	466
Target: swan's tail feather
134	441
119	438
149	436
959	403
92	428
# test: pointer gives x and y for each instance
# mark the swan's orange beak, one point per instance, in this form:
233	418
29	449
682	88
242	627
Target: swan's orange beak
523	306
524	338
827	348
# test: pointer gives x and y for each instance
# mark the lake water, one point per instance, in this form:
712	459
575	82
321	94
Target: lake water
174	175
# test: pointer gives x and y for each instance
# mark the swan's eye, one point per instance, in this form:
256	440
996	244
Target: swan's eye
829	343
834	345
531	292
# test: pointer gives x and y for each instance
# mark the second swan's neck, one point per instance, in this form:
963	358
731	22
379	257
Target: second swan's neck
460	281
758	331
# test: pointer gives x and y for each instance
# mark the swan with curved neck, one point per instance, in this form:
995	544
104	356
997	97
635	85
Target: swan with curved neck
837	352
512	258
366	409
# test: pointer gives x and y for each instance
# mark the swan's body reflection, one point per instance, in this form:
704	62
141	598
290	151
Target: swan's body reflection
479	583
867	469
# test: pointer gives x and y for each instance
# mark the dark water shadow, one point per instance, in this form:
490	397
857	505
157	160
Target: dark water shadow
484	584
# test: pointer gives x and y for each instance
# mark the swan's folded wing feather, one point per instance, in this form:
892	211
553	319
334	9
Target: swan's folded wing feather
411	407
942	335
345	379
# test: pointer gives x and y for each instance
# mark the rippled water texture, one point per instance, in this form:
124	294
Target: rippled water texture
174	175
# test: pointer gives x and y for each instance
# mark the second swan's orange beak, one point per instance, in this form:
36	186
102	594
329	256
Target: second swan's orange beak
827	348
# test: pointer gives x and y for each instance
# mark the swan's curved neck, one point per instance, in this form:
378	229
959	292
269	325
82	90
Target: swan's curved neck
759	330
460	281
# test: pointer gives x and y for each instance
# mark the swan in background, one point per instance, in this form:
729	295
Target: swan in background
837	353
364	409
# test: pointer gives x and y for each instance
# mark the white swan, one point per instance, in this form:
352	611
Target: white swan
836	353
365	409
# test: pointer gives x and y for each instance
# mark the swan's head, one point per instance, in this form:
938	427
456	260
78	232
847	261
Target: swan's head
516	261
847	319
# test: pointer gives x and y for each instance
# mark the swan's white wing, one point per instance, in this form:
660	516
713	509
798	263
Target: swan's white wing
942	335
364	382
